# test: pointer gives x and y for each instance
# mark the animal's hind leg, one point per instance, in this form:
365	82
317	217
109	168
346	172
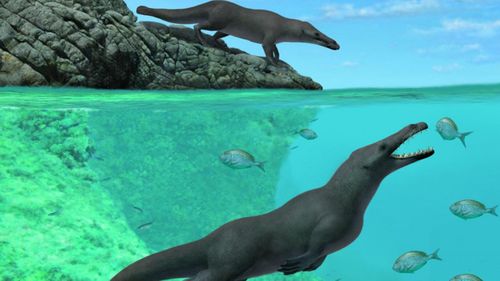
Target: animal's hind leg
218	35
204	25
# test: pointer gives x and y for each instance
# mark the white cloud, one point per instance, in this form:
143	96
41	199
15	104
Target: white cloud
446	68
468	27
451	49
471	47
389	8
480	28
350	64
486	58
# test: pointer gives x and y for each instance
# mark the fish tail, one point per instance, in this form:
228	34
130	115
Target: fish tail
493	211
462	137
260	165
434	256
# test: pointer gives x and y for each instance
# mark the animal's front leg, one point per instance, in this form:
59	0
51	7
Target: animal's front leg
321	237
269	51
276	53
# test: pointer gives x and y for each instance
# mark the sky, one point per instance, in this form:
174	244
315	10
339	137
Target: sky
390	43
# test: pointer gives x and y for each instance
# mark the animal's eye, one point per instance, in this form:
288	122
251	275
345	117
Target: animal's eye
317	34
383	146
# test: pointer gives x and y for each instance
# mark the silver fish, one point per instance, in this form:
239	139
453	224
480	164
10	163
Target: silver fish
308	134
145	225
448	130
466	277
240	159
412	261
469	209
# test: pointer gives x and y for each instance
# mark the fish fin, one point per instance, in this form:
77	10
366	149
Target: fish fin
434	256
493	211
260	165
462	137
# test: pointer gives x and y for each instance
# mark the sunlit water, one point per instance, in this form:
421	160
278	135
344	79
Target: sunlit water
409	212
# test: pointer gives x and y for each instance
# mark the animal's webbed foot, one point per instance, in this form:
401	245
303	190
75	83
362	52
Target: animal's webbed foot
199	35
221	44
315	264
202	40
272	61
295	265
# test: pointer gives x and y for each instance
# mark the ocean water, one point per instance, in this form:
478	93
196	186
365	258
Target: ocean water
93	180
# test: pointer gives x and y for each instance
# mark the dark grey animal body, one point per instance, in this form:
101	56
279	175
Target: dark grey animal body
295	237
259	26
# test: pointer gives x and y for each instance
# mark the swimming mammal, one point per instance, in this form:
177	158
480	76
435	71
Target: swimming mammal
259	26
295	237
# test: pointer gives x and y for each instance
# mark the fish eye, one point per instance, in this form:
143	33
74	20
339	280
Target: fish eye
382	147
317	34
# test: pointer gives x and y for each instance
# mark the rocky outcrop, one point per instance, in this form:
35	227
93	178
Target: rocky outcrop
100	44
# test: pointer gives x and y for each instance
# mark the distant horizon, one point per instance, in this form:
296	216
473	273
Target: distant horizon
389	43
420	87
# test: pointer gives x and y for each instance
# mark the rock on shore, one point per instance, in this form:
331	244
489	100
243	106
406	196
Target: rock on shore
100	44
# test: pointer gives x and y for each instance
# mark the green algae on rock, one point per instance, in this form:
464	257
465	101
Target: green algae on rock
86	239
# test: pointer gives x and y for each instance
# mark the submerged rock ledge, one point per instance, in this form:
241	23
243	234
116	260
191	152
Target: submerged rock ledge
100	44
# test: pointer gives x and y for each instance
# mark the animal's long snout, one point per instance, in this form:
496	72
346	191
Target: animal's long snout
334	45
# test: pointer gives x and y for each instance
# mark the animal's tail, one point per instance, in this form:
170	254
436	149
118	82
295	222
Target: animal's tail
462	137
181	261
492	211
194	14
434	256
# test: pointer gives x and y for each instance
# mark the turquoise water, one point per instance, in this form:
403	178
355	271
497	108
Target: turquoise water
158	151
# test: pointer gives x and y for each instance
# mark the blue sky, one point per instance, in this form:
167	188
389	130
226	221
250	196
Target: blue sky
393	43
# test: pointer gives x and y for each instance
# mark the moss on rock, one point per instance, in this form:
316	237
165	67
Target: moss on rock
57	224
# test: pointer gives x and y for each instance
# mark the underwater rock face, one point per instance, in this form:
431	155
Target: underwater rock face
167	165
99	44
57	222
